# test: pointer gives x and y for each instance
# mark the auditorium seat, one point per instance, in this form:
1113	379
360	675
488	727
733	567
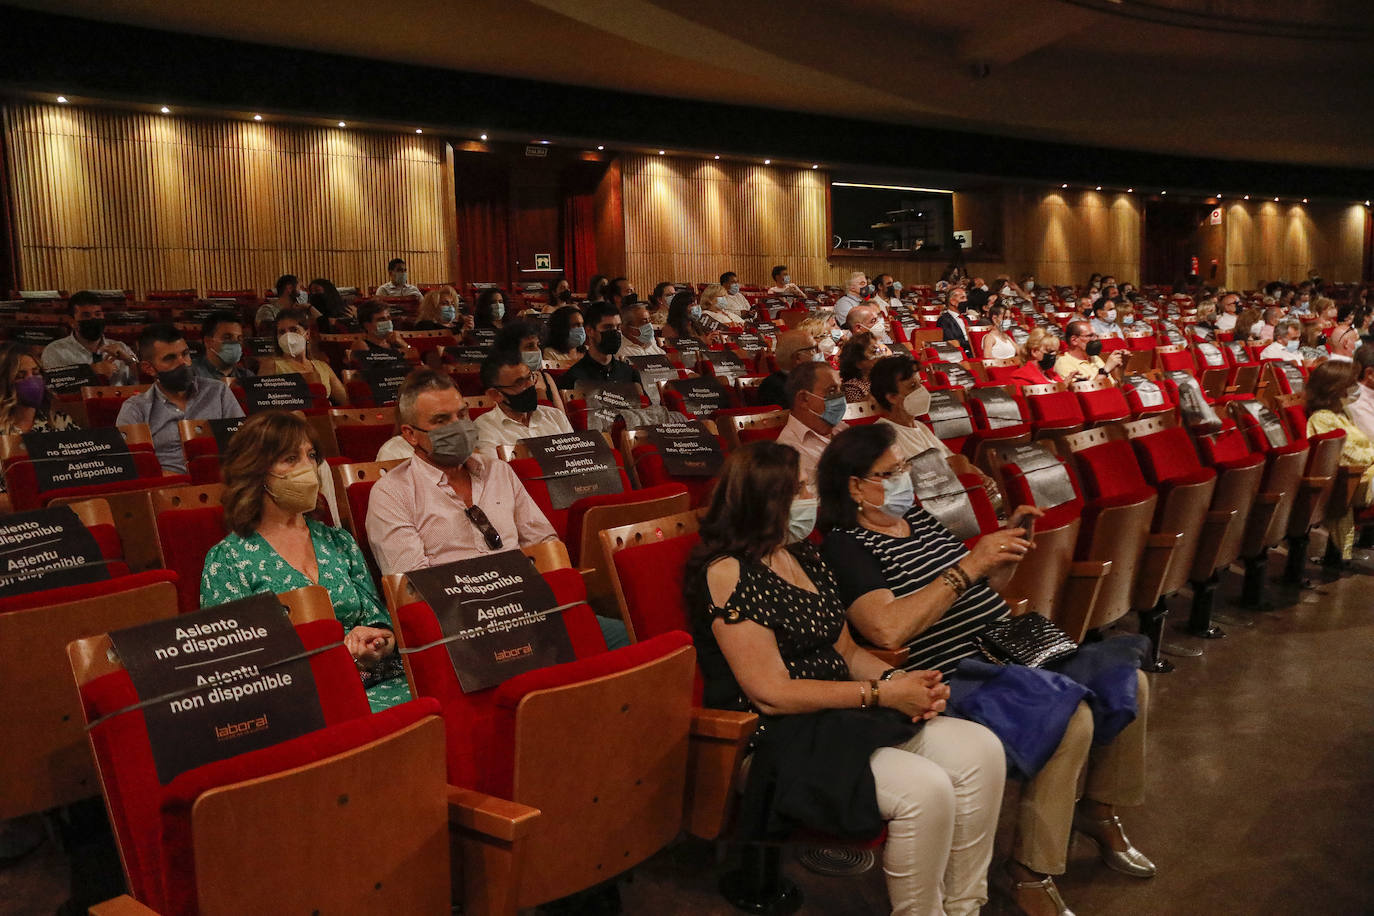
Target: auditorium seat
737	428
103	402
1313	500
21	479
190	521
1054	413
647	469
361	431
352	484
1101	401
378	776
597	746
1147	394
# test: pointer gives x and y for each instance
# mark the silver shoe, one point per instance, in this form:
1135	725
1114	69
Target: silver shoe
1046	886
1131	861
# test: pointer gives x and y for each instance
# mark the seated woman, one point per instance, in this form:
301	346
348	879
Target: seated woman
489	311
1040	351
524	335
293	342
380	340
271	480
712	308
906	580
660	302
25	401
1331	386
770	629
684	320
857	357
439	312
827	334
997	343
567	336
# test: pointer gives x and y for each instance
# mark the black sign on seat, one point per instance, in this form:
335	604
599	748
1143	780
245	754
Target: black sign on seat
260	346
652	370
79	457
574	465
47	548
467	354
726	364
1045	474
606	401
219	682
498	616
958	375
70	378
688	449
383	381
223	430
701	396
276	392
1294	376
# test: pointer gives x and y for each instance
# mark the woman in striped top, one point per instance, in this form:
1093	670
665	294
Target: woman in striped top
909	581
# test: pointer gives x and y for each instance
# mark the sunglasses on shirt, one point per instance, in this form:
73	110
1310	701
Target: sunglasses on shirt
489	533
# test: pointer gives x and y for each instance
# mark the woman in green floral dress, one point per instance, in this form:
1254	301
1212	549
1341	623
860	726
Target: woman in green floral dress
271	480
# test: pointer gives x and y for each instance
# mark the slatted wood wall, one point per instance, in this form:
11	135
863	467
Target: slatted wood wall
116	199
692	220
1271	241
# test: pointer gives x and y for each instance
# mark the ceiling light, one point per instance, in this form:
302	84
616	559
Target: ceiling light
342	124
1276	200
1218	195
542	142
1304	200
1099	187
257	117
601	147
1247	196
717	157
61	100
1162	193
662	152
815	165
1366	203
418	130
768	162
1130	190
166	110
1062	186
484	137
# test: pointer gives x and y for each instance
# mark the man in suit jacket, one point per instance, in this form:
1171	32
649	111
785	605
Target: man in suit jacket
951	322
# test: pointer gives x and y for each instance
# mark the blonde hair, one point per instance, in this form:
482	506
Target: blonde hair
1206	311
815	326
1038	337
429	306
710	294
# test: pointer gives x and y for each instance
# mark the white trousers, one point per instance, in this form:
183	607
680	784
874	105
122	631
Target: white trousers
941	793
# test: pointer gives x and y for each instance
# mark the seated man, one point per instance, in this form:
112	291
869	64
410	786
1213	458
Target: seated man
794	347
518	414
400	286
1104	319
448	503
733	300
1286	342
1082	359
1230	308
783	285
380	342
604	342
222	333
818	405
1345	340
952	323
289	296
856	292
112	361
637	332
868	318
176	394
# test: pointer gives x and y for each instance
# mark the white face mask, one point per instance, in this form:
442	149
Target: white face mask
292	343
786	280
917	403
801	518
400	277
498	310
1111	314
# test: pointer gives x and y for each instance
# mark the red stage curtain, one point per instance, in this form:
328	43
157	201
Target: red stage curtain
579	238
483	204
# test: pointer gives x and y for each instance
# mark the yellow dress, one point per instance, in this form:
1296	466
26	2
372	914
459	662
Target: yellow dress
1357	451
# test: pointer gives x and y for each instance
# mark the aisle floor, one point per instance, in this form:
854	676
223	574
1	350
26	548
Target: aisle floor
1261	787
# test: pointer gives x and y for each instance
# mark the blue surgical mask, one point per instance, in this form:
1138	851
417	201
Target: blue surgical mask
447	313
695	311
786	279
1292	344
384	328
801	518
533	358
836	334
834	409
734	289
644	336
898	495
1128	320
230	352
577	336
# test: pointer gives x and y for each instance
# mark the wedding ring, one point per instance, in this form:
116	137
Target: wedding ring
1001	546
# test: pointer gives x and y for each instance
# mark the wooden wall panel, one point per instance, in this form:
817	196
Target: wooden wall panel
1280	241
115	199
691	220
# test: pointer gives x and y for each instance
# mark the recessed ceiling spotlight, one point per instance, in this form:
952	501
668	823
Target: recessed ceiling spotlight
1062	186
815	165
1247	196
768	162
1276	200
1366	203
1130	190
166	110
1099	187
717	157
342	124
257	117
601	147
1304	200
484	137
542	142
662	152
1163	193
419	130
61	100
1218	195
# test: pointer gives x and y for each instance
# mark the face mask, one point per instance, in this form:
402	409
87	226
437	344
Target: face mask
866	291
1291	345
801	519
384	328
296	491
90	328
498	310
453	443
176	380
400	277
786	280
292	343
525	401
1030	286
917	403
230	352
1111	314
1006	323
565	296
532	358
825	346
694	311
302	297
834	409
1128	320
609	342
1047	361
983	287
818	356
898	495
1093	348
577	336
447	313
734	289
645	336
896	286
31	390
837	334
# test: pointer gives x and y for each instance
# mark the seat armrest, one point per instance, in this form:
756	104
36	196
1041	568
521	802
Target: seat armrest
1316	483
497	818
893	658
123	905
725	724
1090	569
1078	601
719	738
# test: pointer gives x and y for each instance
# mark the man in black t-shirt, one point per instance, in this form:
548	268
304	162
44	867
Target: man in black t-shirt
603	342
794	348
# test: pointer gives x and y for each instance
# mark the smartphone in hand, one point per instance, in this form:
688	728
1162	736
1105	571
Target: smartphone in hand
1027	521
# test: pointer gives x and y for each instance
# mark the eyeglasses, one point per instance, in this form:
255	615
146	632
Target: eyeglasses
904	467
489	533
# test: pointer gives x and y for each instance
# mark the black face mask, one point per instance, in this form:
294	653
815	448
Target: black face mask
565	296
609	341
90	328
176	380
1093	348
524	402
1047	361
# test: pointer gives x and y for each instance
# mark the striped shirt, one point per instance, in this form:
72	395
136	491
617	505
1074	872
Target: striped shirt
864	561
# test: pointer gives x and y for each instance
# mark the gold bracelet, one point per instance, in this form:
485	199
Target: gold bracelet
873	685
955	584
959	571
863	696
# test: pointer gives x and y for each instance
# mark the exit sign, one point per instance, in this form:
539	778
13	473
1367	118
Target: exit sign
537	152
543	262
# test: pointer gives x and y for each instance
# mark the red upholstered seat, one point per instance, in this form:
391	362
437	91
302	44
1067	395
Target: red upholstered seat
1168	392
1055	410
129	775
527	469
578	510
1173	359
652	472
1019	494
186	536
1111	475
202	459
1104	405
22	482
69	593
651	579
362	442
1228	448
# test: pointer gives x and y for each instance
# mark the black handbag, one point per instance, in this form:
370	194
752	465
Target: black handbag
1030	640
